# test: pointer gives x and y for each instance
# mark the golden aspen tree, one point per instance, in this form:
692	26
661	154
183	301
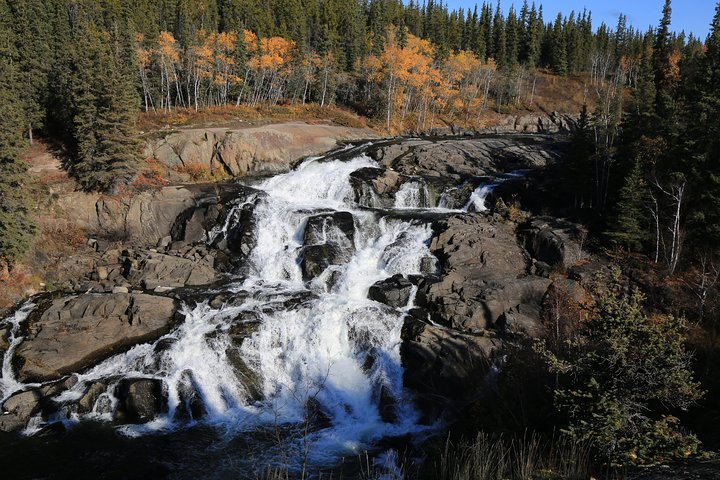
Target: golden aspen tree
169	59
144	63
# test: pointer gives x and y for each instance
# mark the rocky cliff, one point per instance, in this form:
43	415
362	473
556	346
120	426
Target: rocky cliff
240	152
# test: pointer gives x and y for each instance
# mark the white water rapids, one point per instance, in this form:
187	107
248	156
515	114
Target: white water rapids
334	351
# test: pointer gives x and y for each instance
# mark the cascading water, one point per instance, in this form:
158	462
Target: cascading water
478	197
413	194
311	348
8	384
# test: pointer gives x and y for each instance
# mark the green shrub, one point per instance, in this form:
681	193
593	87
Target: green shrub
621	376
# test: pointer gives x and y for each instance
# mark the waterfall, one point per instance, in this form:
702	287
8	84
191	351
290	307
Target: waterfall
284	345
412	195
477	199
308	346
8	383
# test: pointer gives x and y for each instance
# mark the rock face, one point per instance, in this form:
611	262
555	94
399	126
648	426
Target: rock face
441	364
453	161
553	241
265	150
329	240
553	122
18	409
516	306
118	270
4	343
316	258
482	267
93	392
21	406
375	187
337	228
146	218
191	404
160	270
74	333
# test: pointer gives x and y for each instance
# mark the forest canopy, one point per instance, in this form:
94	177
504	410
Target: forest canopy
80	72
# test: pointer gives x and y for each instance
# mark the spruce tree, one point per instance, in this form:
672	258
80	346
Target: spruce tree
627	228
530	48
16	228
620	378
512	39
665	94
486	26
577	163
558	47
499	49
702	142
29	20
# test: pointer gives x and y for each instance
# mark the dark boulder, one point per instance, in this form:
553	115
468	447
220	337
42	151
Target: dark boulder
315	416
337	228
476	254
316	258
240	236
250	380
194	223
4	339
191	405
19	409
457	197
91	395
516	306
394	291
553	241
457	160
139	400
387	405
375	187
160	270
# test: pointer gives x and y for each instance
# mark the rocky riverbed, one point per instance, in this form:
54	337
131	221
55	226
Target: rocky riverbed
360	297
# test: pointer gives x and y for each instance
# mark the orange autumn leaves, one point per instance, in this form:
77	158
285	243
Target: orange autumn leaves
204	73
217	69
418	86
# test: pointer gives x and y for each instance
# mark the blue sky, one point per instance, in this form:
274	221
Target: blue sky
689	15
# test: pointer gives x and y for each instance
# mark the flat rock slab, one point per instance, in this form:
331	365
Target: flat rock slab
77	332
160	270
243	151
456	160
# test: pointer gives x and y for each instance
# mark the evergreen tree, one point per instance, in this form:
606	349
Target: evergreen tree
499	49
454	32
486	28
628	225
558	48
117	145
577	166
530	47
572	45
620	377
512	39
16	229
30	20
702	142
665	104
640	115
